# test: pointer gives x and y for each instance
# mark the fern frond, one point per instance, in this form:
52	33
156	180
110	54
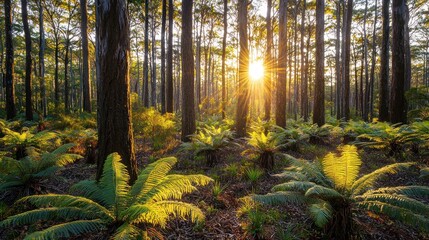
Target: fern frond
297	186
145	213
323	193
45	214
88	189
424	173
9	165
114	183
409	191
151	176
401	201
181	210
311	170
292	175
67	230
63	200
321	213
127	231
396	213
342	170
365	182
280	197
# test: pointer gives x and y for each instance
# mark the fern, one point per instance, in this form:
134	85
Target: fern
332	193
152	200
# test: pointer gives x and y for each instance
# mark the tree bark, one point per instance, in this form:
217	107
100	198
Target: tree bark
373	60
86	87
347	60
304	87
163	22
169	74
319	88
10	87
243	78
188	104
153	72
28	63
383	110
42	46
337	61
281	67
146	56
114	112
398	110
225	32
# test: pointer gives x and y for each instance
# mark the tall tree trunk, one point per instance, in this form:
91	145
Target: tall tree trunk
163	22
268	63
66	77
338	64
365	49
319	88
56	77
188	104
10	87
243	82
42	60
146	56
281	67
304	87
398	110
114	111
86	88
383	110
169	95
28	63
225	33
373	60
347	37
153	72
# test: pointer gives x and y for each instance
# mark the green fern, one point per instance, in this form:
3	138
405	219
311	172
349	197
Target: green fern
333	192
27	174
265	146
112	204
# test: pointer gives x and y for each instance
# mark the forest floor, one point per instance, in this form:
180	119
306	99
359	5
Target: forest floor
223	220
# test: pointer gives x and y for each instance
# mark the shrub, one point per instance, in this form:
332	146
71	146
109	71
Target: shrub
27	174
265	146
333	193
114	205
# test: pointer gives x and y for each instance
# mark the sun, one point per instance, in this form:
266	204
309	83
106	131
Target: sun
256	71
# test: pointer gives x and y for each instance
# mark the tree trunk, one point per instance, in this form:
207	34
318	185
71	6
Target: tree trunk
169	74
398	109
153	73
66	78
243	82
10	87
56	81
365	49
225	33
86	88
146	56
383	110
304	87
281	67
347	60
28	63
373	60
188	104
337	61
114	114
163	22
319	88
42	61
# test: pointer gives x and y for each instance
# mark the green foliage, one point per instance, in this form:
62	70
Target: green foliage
217	189
22	143
265	146
161	129
254	174
391	138
418	101
72	122
424	173
27	174
255	223
113	204
208	142
332	191
292	138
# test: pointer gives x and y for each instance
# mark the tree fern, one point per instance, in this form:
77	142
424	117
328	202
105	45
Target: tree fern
332	194
112	203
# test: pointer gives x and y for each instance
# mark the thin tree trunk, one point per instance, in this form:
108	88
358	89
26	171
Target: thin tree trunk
304	87
337	60
243	83
10	87
86	88
188	104
169	74
66	77
153	72
163	22
114	111
146	57
225	33
373	60
42	60
319	88
281	67
383	110
347	60
365	44
28	63
56	80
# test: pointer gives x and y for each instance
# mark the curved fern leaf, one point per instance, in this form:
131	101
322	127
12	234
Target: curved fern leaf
321	213
280	197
